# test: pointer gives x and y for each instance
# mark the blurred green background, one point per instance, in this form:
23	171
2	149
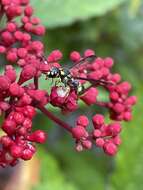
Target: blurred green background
112	28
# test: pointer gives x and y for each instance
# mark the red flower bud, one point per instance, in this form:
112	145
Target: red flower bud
110	148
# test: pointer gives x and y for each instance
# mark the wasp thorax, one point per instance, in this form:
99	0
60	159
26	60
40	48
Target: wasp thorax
64	73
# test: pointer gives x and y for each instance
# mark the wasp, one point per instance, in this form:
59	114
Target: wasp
66	77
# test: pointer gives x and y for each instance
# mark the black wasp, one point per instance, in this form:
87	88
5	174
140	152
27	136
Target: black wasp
65	77
71	81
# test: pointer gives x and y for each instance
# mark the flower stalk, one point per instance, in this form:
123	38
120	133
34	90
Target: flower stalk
20	98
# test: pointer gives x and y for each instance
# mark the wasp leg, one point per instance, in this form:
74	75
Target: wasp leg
57	82
46	77
52	82
81	90
65	82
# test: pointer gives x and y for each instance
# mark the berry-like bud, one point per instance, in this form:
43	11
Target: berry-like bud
4	83
28	72
10	73
97	133
38	136
75	56
89	52
98	120
108	62
6	141
29	111
9	126
18	117
16	151
100	142
28	11
79	132
56	55
16	90
87	144
114	128
83	121
110	148
27	154
90	96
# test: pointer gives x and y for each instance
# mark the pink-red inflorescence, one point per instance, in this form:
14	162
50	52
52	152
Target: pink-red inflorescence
19	101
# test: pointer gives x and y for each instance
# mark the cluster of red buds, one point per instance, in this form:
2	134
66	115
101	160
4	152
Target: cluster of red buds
21	96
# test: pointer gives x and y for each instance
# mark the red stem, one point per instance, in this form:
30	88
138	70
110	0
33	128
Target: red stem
55	119
36	82
1	12
102	104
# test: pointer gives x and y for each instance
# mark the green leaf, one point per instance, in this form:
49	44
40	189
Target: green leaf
131	27
129	161
51	177
64	12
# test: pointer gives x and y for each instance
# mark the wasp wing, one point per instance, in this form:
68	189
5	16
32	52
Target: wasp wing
85	60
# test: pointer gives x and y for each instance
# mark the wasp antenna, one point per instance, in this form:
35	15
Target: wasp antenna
88	58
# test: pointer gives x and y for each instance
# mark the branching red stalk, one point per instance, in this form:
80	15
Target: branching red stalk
55	119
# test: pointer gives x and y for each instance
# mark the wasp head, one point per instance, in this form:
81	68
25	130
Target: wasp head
53	73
